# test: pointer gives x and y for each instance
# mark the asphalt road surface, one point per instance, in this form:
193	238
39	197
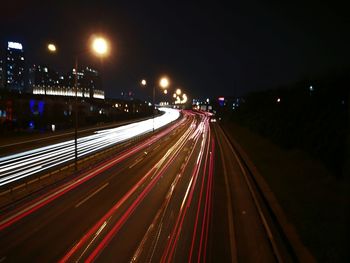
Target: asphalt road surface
177	196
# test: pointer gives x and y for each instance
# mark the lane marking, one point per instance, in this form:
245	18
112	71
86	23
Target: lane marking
91	195
156	147
135	163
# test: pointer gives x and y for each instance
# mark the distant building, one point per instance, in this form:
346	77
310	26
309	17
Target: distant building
45	81
13	68
89	83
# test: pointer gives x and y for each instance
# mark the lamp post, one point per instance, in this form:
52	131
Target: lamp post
100	47
76	116
163	83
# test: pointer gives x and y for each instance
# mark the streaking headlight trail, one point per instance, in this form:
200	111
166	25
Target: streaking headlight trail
17	166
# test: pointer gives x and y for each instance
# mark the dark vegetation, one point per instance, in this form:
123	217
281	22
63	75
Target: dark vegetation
311	115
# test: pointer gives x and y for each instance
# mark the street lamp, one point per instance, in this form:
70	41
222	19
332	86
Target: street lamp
163	83
184	98
99	47
51	47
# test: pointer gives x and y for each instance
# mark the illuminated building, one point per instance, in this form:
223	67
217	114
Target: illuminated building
14	67
89	83
45	81
42	78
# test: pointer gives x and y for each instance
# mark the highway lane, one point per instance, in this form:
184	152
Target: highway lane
252	234
21	165
47	233
173	214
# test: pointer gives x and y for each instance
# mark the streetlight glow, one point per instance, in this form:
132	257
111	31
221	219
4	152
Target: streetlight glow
100	46
143	82
174	95
178	92
51	47
164	82
165	91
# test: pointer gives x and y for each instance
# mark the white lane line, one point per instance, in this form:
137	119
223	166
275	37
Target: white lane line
88	197
155	148
136	162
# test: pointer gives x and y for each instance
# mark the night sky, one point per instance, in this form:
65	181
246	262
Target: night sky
208	49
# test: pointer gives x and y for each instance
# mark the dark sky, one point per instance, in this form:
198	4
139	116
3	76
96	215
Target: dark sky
208	49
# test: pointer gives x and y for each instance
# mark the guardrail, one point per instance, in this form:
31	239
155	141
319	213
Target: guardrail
285	230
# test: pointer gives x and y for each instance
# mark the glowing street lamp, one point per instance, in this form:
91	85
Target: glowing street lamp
178	92
100	46
51	47
164	82
184	98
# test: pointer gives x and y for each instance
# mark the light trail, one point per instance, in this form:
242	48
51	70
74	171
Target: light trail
169	250
154	175
17	166
8	220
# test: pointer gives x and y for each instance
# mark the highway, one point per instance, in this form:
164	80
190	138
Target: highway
98	215
176	196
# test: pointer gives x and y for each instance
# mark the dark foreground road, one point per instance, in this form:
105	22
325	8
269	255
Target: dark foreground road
178	196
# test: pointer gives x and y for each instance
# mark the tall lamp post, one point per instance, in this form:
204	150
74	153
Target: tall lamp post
100	47
163	83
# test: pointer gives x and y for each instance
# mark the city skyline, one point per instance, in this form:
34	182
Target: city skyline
18	76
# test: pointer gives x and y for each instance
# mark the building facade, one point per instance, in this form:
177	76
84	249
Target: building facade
43	77
45	81
14	68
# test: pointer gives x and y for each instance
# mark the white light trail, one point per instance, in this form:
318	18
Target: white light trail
17	166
